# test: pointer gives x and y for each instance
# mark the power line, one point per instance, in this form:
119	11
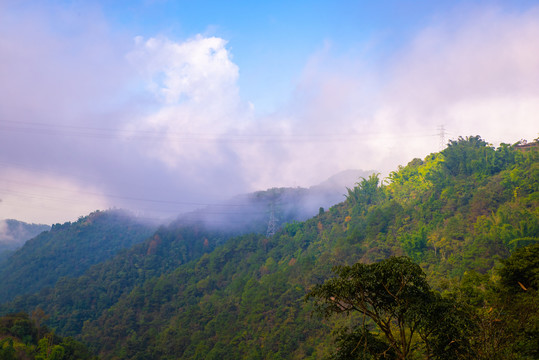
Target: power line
148	135
221	207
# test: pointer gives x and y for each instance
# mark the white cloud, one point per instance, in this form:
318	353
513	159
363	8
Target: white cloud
470	73
192	138
198	103
476	73
478	76
195	70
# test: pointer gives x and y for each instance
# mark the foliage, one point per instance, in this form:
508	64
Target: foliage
366	193
68	250
73	301
396	297
23	337
521	270
506	311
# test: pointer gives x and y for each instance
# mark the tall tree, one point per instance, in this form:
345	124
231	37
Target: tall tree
410	318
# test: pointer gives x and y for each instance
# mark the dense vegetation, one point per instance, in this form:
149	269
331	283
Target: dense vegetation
76	300
190	293
403	318
72	301
69	250
24	337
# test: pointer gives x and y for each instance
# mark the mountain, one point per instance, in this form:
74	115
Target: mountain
341	180
265	211
190	292
69	250
76	300
61	250
13	234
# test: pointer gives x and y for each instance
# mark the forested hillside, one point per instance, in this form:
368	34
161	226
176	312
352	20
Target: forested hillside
185	239
69	250
76	300
188	293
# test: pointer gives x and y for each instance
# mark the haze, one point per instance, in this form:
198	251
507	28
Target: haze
164	106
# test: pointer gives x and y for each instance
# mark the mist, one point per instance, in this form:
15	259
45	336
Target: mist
268	211
94	118
13	234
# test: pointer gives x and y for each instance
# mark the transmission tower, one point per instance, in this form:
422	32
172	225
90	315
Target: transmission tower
441	134
272	223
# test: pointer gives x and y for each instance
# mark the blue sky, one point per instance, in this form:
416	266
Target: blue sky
271	41
157	106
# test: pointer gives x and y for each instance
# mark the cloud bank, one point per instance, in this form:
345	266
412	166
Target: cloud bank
195	88
90	119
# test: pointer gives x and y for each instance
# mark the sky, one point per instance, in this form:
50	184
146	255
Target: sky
162	106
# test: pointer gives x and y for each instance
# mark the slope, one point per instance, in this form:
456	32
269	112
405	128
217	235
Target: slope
454	212
68	250
189	237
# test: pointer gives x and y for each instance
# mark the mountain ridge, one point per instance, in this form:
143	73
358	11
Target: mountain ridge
191	293
68	250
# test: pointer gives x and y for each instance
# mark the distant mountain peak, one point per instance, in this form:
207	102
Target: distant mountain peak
345	178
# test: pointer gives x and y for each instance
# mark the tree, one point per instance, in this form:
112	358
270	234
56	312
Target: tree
408	317
520	272
517	304
366	193
7	351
